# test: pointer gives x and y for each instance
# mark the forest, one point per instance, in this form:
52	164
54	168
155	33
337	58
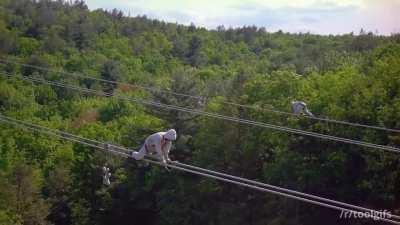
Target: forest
45	180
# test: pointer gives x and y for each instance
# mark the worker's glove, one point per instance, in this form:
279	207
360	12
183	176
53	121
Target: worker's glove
172	161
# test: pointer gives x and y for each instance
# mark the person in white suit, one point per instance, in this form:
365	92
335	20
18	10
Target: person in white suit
106	175
159	143
299	107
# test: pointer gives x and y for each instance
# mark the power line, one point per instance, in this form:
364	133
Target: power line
215	115
199	171
275	187
58	134
80	75
95	143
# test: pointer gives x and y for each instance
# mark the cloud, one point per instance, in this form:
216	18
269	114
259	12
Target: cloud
287	18
309	20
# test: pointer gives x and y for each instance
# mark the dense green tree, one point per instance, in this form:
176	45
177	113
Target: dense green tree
111	71
44	180
23	196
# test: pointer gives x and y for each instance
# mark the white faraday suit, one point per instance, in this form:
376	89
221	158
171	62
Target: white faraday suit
299	107
159	143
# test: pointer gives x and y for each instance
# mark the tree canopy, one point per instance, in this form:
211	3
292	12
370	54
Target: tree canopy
44	180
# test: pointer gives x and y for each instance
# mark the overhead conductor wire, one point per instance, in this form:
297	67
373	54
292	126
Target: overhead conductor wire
315	200
152	89
213	115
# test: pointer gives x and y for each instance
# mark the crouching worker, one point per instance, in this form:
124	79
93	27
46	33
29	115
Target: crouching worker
106	175
299	107
159	143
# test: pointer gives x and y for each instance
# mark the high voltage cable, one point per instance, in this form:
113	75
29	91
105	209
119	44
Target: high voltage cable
95	143
100	79
209	173
214	115
276	187
203	97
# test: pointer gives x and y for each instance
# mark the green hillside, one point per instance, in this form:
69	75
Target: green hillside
45	180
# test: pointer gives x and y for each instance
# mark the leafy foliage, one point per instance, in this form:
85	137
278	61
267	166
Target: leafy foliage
44	180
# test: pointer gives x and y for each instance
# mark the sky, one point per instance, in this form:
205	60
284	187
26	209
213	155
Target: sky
314	16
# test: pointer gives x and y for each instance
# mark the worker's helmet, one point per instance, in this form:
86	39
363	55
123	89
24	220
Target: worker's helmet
170	135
